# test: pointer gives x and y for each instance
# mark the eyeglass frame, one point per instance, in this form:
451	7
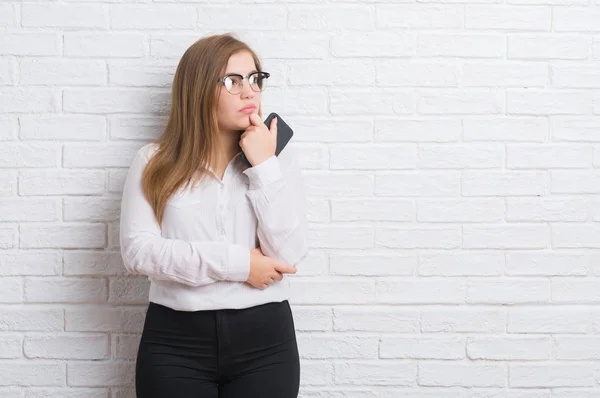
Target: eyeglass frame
222	79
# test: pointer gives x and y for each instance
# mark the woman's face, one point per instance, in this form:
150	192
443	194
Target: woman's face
234	110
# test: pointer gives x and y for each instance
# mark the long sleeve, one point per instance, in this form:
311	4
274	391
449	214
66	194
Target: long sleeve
278	197
146	252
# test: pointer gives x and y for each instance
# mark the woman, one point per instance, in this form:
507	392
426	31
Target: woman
215	236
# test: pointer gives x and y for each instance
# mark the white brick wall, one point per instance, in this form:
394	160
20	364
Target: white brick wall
451	150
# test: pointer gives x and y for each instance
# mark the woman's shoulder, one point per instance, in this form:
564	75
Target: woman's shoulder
147	151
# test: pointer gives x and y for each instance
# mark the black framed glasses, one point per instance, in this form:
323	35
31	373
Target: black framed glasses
234	82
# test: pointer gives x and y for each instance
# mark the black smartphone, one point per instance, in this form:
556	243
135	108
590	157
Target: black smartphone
284	134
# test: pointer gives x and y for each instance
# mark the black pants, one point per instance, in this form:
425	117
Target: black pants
245	353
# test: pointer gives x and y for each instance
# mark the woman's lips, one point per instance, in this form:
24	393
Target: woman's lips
248	109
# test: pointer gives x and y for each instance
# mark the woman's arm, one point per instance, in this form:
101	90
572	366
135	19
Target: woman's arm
278	197
146	252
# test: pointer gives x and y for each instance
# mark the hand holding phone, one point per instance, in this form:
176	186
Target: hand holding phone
281	135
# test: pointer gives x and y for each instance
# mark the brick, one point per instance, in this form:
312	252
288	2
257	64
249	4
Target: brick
29	155
341	237
30	44
576	19
550	375
8	15
65	290
338	183
91	209
503	129
312	319
421	291
547	46
386	373
111	374
576	76
376	319
422	16
425	130
369	101
332	73
9	236
300	101
141	74
65	236
93	263
574	181
318	210
32	374
555	319
109	100
11	289
59	182
6	72
11	346
575	236
577	347
344	292
462	374
136	128
26	209
548	102
67	393
508	17
420	237
545	263
548	156
55	71
320	129
367	157
460	210
8	128
129	290
292	45
461	45
63	15
420	347
317	373
8	183
30	318
522	236
311	156
373	264
332	17
456	102
105	44
373	44
62	127
504	183
30	263
327	346
499	348
418	184
26	100
66	346
572	290
504	74
546	209
104	319
99	155
133	16
461	263
125	346
460	156
508	291
416	74
464	319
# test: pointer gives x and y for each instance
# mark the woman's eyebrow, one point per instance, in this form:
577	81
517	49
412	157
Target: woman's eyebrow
241	74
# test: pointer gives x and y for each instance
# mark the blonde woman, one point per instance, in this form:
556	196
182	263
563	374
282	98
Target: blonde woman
215	236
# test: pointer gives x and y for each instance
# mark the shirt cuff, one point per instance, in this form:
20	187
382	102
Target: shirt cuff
239	264
264	173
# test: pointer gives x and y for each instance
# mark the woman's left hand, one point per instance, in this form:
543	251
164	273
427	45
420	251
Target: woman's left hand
258	141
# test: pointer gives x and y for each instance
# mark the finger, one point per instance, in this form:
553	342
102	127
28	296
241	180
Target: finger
278	276
273	127
285	268
255	120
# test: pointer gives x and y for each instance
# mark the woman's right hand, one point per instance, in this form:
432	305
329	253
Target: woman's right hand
264	270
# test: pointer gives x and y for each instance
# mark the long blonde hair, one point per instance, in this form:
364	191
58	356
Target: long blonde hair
190	139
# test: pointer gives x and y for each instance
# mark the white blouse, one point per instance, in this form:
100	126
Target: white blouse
200	258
